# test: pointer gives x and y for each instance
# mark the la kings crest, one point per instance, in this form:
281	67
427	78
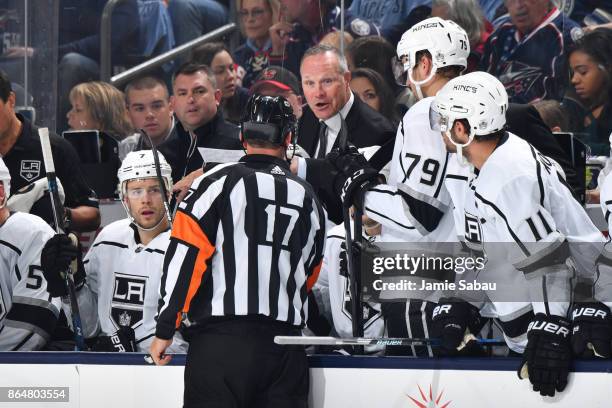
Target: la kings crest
128	300
29	169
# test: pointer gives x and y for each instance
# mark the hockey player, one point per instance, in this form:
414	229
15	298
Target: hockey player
517	198
119	288
245	251
28	314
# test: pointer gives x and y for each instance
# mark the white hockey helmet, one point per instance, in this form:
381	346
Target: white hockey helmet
445	40
5	178
477	97
141	165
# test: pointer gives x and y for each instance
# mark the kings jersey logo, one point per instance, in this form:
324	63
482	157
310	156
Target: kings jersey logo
128	300
30	169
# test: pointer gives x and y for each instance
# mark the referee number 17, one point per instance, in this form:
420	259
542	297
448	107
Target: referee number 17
273	211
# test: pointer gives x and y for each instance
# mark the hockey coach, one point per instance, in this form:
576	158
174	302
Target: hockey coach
246	248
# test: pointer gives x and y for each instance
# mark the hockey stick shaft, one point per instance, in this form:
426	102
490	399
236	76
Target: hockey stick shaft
362	341
159	177
58	211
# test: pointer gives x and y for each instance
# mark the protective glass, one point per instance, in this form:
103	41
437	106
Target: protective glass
437	122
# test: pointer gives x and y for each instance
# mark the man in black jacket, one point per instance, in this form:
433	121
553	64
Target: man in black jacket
195	103
325	82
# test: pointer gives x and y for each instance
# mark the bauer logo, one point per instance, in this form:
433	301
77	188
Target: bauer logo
128	300
429	400
30	169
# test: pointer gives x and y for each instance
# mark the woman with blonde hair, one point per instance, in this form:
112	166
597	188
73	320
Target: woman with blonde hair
99	106
256	17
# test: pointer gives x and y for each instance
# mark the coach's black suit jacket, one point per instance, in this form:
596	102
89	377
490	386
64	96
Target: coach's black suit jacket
365	127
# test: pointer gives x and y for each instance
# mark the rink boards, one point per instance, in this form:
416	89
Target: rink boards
102	380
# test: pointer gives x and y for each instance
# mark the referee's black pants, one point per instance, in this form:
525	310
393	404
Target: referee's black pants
236	364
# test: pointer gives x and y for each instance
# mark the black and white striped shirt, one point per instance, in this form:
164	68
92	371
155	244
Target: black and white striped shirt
247	240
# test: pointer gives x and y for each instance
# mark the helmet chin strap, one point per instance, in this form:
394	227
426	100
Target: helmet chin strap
460	157
417	84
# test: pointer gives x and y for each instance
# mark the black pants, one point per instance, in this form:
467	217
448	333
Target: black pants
236	364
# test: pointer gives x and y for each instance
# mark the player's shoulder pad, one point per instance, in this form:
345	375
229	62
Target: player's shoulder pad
511	160
116	231
23	225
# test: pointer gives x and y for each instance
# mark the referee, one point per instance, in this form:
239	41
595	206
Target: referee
246	248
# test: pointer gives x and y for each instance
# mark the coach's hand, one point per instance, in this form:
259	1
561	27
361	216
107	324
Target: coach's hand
591	330
352	173
548	355
55	259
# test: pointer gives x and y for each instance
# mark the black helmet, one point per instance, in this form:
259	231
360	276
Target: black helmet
268	118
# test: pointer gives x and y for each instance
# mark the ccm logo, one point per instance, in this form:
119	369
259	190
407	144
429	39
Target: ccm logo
589	312
438	310
548	327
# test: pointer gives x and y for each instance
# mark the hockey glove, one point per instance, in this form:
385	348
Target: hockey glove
548	355
591	330
55	259
352	173
121	341
452	319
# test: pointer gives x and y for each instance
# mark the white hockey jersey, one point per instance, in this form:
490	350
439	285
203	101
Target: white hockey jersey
414	204
522	215
332	287
28	314
123	278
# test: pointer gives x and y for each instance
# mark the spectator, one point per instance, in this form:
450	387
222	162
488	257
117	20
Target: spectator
375	53
307	21
277	81
588	106
468	14
79	39
372	89
378	54
552	114
22	153
218	58
256	18
333	39
193	18
325	81
390	15
527	50
195	102
148	104
99	106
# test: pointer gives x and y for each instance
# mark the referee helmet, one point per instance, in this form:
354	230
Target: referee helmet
269	119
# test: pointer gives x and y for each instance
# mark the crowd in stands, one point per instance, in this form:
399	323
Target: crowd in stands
555	64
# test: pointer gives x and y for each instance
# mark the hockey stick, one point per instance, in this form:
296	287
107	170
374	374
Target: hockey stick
159	177
58	211
353	263
362	341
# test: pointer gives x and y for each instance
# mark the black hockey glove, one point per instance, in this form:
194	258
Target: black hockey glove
121	341
591	330
451	320
352	173
548	355
55	259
